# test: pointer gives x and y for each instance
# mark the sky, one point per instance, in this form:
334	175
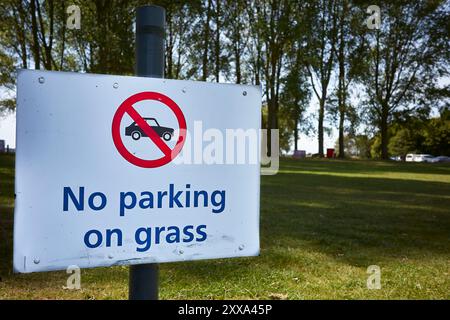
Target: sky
8	130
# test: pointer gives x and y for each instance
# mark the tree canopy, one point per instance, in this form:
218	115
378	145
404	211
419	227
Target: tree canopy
364	79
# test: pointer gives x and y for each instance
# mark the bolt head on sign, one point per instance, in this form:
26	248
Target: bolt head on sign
142	128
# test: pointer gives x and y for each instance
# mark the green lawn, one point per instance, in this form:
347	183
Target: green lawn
322	224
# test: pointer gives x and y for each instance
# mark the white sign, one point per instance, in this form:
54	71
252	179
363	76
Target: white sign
114	170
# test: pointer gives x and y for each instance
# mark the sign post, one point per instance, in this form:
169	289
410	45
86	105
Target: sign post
150	29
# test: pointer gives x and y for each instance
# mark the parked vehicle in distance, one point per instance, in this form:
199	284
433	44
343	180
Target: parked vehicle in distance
440	159
411	157
425	158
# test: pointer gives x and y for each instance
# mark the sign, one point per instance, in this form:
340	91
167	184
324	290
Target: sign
114	170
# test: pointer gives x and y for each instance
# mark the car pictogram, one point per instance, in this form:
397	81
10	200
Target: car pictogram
136	132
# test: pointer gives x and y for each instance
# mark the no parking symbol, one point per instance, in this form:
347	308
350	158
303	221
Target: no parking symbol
158	135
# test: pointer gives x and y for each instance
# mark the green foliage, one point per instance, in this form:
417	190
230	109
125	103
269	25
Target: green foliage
287	124
417	135
404	141
7	81
293	49
356	146
363	145
375	149
405	60
437	137
294	102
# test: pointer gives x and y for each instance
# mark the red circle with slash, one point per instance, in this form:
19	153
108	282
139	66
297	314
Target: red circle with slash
127	107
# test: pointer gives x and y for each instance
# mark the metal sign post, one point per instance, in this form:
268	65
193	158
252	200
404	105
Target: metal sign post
150	28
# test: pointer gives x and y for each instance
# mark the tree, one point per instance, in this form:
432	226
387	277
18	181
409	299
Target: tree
405	141
275	24
437	135
179	19
355	146
296	95
321	45
235	30
417	134
405	60
278	44
206	40
351	48
32	36
218	21
110	39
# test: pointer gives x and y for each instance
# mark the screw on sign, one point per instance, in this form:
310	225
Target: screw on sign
127	108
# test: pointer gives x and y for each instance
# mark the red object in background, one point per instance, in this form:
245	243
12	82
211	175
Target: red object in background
330	153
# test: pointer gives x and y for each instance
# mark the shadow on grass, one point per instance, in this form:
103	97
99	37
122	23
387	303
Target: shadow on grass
358	218
355	221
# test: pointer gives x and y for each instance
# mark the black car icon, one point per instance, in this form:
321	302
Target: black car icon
136	132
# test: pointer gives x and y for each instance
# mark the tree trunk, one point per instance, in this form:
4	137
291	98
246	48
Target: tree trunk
21	33
384	134
238	68
34	30
47	58
237	55
169	46
206	42
320	125
102	19
217	40
63	34
341	135
272	121
296	136
342	95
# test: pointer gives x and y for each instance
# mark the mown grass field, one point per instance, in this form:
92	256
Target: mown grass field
322	224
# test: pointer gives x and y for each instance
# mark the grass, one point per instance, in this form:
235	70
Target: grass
322	224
